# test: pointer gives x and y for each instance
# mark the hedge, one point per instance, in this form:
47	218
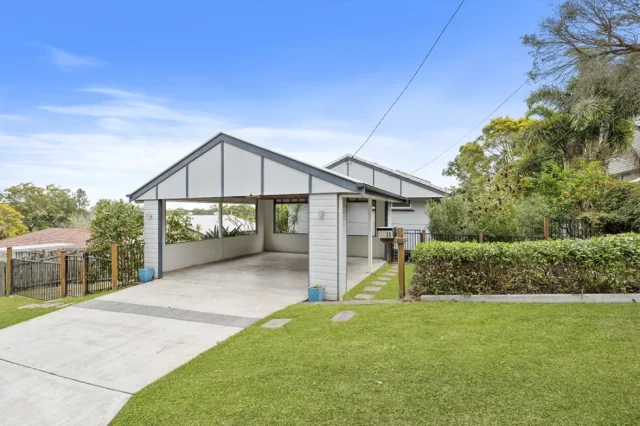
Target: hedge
598	265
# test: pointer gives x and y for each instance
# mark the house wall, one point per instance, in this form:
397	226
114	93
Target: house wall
416	218
182	255
153	235
327	244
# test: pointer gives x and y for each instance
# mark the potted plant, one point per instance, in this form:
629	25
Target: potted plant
316	293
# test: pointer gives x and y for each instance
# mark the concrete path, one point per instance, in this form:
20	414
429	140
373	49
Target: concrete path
80	365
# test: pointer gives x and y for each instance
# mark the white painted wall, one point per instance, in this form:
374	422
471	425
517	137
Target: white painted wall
387	182
416	218
174	187
324	257
150	233
281	179
289	243
342	247
205	174
182	255
361	173
242	172
320	186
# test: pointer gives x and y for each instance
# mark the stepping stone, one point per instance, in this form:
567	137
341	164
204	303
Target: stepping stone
275	323
343	316
384	278
372	288
363	296
378	283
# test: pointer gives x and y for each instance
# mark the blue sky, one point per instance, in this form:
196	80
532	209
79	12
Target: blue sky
105	95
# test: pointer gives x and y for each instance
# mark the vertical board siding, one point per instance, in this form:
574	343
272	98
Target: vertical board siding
323	243
151	246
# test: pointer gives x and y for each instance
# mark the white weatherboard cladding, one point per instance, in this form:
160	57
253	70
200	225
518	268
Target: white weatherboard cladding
361	173
341	168
386	182
342	247
149	195
175	186
320	186
150	233
205	175
410	190
281	179
358	219
242	172
323	243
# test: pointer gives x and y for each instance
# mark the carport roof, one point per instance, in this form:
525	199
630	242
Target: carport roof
348	183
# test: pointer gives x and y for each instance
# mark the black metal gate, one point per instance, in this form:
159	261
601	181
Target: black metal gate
38	279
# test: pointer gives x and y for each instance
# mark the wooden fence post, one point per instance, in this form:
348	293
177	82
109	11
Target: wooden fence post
63	274
423	236
9	275
114	266
547	227
400	235
85	273
481	237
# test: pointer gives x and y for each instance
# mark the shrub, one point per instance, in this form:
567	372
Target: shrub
598	265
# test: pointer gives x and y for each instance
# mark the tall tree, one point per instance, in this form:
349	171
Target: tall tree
601	30
10	222
42	208
115	221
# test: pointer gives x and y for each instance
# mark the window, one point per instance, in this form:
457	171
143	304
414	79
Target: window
187	222
401	206
291	217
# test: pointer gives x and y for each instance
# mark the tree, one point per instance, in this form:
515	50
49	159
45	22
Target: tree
10	222
115	221
448	216
82	201
180	227
42	208
287	218
584	30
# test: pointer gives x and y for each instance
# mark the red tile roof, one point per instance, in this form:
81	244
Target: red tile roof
77	237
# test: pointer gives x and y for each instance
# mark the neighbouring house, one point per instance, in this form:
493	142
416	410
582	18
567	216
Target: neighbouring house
627	166
71	238
410	214
229	170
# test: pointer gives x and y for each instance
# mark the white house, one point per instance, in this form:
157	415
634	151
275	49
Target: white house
228	170
409	214
627	166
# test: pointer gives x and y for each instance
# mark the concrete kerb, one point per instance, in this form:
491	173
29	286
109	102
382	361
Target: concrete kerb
535	298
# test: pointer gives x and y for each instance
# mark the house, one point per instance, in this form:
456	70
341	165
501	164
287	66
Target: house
51	238
627	166
418	192
229	170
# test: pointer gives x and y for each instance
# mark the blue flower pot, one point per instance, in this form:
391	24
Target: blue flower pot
145	275
316	294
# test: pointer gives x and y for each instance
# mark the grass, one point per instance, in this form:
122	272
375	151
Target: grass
412	364
10	314
389	291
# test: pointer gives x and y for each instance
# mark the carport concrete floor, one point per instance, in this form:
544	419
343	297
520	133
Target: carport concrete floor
80	365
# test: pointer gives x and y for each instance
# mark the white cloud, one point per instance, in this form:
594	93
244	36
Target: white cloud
125	138
65	61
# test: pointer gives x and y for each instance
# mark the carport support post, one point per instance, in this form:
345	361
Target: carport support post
9	270
400	234
114	266
63	274
370	236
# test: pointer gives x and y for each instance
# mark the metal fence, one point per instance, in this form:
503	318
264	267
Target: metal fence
38	279
569	228
415	236
130	260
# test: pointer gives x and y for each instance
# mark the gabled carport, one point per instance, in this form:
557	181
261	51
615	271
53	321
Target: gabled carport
227	169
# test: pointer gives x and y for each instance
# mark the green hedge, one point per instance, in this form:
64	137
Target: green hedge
598	265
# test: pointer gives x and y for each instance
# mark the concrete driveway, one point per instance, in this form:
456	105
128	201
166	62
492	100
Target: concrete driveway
80	365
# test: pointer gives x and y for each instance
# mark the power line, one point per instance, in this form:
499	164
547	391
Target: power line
412	78
476	126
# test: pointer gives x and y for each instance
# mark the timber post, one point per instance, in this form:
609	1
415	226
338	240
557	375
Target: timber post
481	237
547	227
423	236
114	266
9	274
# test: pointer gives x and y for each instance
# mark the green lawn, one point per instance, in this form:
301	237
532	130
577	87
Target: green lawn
389	291
10	314
412	364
